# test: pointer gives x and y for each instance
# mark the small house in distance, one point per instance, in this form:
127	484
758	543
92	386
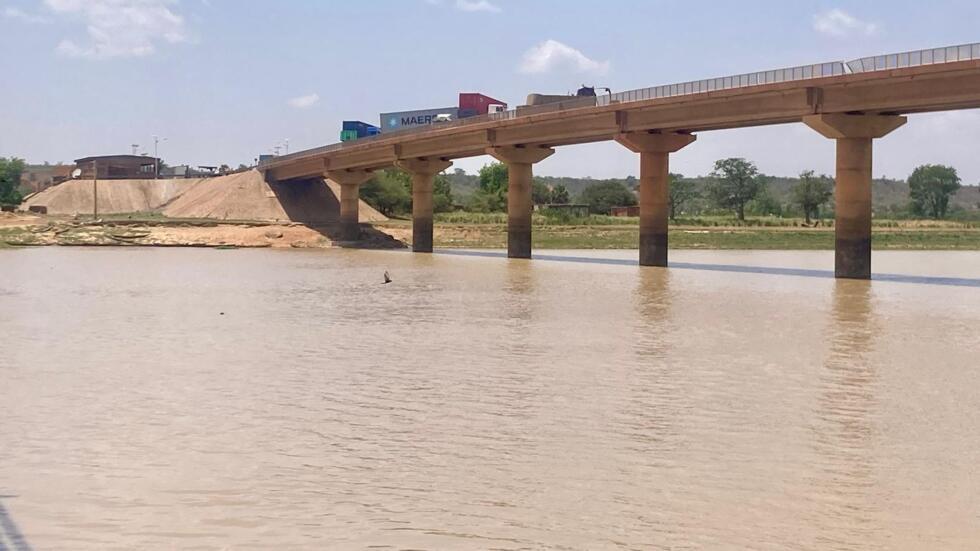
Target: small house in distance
117	167
631	211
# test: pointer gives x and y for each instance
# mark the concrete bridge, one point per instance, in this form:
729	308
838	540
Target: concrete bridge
853	108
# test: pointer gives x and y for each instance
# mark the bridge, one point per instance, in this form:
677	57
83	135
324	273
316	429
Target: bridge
853	104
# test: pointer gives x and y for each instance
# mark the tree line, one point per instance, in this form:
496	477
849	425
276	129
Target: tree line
735	186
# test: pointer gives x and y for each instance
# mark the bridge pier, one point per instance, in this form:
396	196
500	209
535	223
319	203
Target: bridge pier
423	172
852	192
654	150
350	184
519	201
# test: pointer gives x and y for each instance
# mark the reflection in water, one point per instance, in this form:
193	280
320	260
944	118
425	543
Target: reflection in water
844	428
10	532
653	299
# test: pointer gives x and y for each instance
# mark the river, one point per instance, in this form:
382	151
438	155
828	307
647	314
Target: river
260	399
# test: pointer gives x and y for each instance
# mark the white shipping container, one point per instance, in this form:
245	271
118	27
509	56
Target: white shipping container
423	117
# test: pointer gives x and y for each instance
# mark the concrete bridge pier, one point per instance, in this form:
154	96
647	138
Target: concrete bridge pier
852	192
350	184
654	150
519	203
423	173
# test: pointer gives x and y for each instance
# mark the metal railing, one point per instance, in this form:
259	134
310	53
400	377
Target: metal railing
804	72
774	76
964	52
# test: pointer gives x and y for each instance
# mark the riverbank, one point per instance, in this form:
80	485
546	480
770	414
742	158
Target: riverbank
149	229
26	230
911	235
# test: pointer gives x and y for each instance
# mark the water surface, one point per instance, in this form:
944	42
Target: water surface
258	399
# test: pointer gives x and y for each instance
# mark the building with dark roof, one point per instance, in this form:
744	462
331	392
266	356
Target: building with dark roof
117	167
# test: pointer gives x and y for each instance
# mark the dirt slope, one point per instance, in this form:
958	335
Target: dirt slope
242	196
115	196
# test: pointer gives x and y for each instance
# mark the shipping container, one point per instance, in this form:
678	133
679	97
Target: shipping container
352	130
422	117
362	129
478	104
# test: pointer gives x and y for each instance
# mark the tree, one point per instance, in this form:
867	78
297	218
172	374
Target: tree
559	195
442	194
491	196
811	193
388	192
493	178
540	192
681	192
736	182
601	197
764	204
10	171
930	187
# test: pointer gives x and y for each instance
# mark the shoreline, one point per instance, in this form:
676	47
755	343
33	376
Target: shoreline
27	230
39	231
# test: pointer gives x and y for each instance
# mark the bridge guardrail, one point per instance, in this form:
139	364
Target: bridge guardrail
802	72
915	58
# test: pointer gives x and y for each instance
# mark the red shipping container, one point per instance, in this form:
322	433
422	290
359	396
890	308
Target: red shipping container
477	102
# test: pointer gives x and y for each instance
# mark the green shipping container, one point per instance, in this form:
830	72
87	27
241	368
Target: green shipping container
348	135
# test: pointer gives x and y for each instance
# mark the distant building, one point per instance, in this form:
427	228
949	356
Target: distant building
624	211
186	171
117	167
37	178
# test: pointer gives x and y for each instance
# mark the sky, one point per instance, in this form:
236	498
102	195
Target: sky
226	80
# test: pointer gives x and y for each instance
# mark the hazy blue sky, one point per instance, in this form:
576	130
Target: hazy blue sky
226	80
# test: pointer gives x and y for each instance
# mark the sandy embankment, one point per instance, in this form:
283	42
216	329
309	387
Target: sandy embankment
235	210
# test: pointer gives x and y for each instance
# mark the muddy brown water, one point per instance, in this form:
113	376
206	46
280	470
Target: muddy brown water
740	400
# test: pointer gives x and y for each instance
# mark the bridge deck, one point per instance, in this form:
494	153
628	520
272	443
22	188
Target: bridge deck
941	87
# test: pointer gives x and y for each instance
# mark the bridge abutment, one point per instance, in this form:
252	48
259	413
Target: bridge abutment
852	192
350	184
423	172
654	150
520	175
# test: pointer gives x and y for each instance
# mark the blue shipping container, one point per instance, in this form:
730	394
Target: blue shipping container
362	129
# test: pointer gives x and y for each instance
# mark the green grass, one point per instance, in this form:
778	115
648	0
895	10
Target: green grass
713	221
604	236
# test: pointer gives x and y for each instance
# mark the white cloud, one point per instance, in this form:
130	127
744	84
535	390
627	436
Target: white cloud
120	28
469	5
476	5
551	55
305	102
837	22
15	13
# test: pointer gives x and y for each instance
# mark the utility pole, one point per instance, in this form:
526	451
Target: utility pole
95	189
156	156
287	145
135	146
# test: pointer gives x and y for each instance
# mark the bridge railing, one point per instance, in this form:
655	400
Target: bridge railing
773	76
931	56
